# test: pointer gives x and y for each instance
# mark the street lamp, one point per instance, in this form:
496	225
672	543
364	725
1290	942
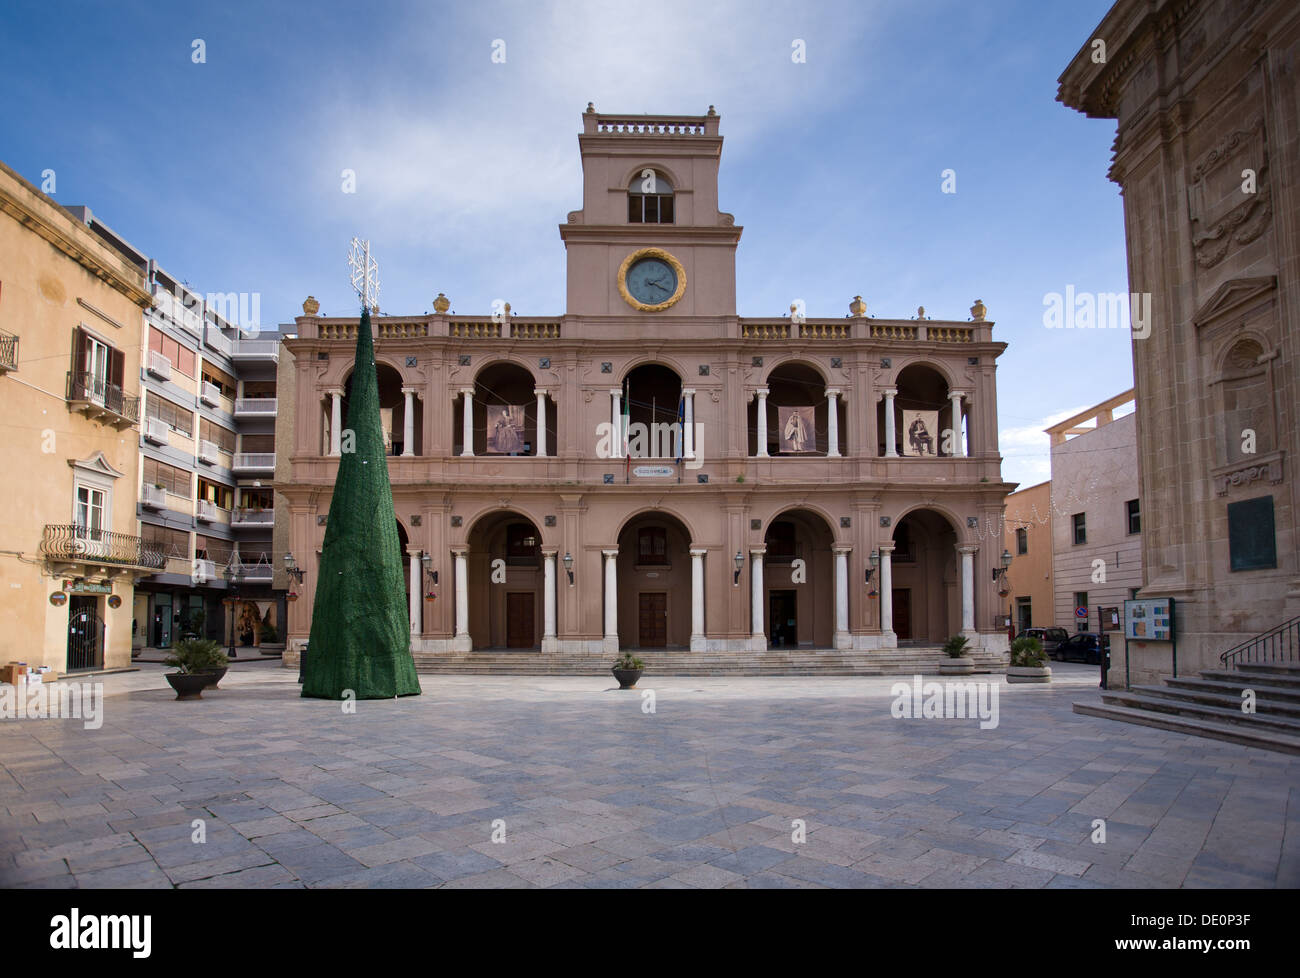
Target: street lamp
292	569
739	560
233	577
568	566
875	562
1001	572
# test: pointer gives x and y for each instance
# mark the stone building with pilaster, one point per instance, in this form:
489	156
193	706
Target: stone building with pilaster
648	470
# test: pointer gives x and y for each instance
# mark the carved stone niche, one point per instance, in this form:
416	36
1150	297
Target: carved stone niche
1227	207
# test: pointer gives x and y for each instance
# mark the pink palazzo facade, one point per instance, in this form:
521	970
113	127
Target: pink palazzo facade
774	498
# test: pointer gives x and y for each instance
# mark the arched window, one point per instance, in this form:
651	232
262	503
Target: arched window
650	198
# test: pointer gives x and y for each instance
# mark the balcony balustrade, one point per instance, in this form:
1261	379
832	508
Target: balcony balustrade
89	545
99	400
8	352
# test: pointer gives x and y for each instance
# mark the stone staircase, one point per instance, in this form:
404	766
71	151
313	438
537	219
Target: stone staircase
680	662
1210	705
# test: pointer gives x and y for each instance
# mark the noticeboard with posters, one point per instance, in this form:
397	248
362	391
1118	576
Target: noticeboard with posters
1149	619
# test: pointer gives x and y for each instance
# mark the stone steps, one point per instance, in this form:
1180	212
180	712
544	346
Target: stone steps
1210	705
821	662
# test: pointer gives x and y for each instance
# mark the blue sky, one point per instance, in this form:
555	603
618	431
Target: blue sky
228	172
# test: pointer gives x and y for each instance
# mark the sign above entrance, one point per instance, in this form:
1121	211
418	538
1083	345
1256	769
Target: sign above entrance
87	587
654	471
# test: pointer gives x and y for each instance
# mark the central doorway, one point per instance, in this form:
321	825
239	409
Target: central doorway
652	619
520	617
783	613
85	633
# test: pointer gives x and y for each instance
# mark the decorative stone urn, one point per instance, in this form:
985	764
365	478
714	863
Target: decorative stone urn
1029	674
310	306
978	310
857	306
441	304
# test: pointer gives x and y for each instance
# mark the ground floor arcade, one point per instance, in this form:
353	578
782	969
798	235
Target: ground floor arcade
743	571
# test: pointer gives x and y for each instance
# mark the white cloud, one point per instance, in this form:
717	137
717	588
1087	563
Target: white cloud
1026	449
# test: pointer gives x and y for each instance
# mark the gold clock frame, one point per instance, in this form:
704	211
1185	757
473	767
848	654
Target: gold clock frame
662	255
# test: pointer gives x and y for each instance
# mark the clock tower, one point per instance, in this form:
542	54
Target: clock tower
649	245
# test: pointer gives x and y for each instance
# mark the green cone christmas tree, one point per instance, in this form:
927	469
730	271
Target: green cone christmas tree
360	633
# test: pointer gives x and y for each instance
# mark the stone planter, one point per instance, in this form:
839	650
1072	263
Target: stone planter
214	676
626	677
189	685
961	666
1029	674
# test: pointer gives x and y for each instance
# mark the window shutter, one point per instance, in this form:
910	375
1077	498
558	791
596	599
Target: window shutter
117	368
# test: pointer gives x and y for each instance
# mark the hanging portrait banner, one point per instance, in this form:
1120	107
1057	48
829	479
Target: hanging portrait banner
920	433
798	436
505	429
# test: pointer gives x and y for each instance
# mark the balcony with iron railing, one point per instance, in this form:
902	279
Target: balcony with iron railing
255	407
8	352
258	572
76	544
101	401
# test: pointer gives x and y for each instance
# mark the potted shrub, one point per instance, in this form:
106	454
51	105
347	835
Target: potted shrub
627	670
1028	662
200	663
959	662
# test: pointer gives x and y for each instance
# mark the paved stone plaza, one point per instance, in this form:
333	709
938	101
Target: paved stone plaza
594	792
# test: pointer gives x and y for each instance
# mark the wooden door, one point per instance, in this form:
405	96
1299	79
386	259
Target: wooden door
652	619
903	613
520	620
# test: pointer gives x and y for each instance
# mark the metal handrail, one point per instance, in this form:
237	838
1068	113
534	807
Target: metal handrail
72	541
1279	644
85	386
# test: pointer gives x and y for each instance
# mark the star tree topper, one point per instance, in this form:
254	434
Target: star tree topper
365	274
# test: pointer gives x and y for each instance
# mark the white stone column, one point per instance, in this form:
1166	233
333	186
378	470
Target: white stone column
688	420
461	642
416	591
611	599
959	443
968	551
761	394
408	422
832	422
888	639
541	423
757	595
616	417
843	640
467	422
891	441
549	642
336	422
698	641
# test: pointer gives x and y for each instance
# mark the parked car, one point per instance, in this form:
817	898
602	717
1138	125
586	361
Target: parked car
1083	647
1050	637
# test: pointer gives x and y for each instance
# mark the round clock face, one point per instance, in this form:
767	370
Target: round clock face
651	281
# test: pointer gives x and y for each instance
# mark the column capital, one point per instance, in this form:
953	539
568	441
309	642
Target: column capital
408	389
460	551
841	548
688	391
885	549
968	548
889	392
610	553
833	391
958	394
413	551
616	392
332	391
698	551
542	391
757	551
550	552
467	391
762	392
